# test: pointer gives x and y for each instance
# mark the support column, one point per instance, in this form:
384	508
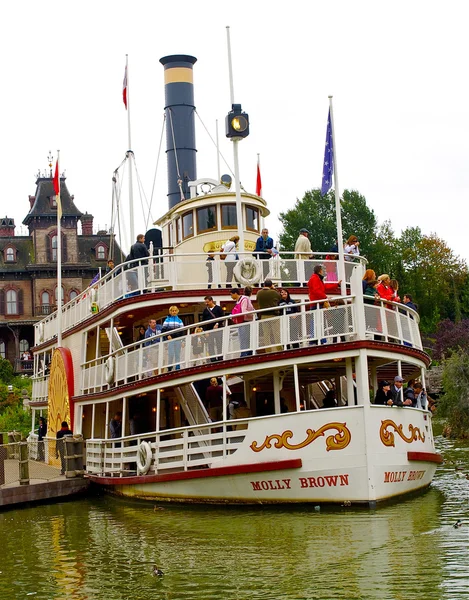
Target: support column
276	378
297	387
350	386
361	373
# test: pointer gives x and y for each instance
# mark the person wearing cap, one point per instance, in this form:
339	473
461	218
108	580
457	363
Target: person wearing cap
383	394
397	393
303	251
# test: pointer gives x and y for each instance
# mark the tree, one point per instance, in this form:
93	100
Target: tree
450	337
454	404
317	214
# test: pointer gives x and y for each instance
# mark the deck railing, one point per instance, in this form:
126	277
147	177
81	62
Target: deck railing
185	271
177	450
310	326
40	392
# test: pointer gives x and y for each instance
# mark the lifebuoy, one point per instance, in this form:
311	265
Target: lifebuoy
144	457
248	271
40	332
109	369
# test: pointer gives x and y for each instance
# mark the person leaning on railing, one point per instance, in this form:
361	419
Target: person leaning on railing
171	324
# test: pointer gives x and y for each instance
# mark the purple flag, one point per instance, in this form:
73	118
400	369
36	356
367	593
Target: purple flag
328	169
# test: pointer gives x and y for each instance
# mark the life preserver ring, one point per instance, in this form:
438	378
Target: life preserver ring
248	271
40	332
109	369
144	458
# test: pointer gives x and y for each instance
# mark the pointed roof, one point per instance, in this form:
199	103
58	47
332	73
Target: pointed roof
42	205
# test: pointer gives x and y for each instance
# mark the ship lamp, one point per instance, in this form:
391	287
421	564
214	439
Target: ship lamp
237	123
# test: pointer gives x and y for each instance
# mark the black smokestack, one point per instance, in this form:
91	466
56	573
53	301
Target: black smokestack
180	130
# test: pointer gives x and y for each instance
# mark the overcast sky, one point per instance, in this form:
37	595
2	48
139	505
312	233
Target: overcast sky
397	71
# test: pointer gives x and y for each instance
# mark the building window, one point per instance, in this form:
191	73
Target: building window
24	346
3	349
45	299
53	201
73	294
56	294
53	245
206	219
228	216
100	252
10	254
252	218
187	225
12	302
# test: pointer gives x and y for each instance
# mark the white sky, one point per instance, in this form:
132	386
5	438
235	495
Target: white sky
397	71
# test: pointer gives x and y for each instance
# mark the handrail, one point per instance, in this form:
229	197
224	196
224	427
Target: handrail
113	285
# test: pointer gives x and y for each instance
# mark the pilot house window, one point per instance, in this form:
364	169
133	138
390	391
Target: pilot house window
252	218
206	219
228	216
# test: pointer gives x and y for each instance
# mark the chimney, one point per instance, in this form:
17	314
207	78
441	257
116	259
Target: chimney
7	227
180	129
86	224
32	200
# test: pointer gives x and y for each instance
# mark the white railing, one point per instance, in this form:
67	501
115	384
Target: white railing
268	334
184	271
392	322
178	450
40	391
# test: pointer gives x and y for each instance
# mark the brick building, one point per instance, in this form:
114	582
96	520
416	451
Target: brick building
28	266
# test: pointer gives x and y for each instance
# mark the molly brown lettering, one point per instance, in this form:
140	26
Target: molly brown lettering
394	476
326	481
413	475
276	484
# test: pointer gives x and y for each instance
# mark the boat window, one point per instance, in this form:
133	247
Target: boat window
178	230
252	218
206	219
187	225
228	216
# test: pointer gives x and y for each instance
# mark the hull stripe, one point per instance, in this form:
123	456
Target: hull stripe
425	457
278	465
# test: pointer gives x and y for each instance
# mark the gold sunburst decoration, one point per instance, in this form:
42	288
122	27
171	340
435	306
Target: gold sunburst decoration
337	441
387	437
61	390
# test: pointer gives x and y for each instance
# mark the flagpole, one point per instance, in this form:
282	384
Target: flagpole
338	214
130	155
239	209
59	257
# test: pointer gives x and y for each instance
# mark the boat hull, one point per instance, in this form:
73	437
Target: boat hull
340	456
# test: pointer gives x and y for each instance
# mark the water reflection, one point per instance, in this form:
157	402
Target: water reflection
105	548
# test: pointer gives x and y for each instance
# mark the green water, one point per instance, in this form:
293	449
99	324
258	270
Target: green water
104	548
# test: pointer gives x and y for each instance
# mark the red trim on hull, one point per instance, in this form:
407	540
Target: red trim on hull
425	457
278	465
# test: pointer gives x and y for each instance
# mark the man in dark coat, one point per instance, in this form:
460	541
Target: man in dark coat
264	245
214	339
60	444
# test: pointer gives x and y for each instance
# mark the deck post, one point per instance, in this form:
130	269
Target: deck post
297	387
23	463
276	379
350	386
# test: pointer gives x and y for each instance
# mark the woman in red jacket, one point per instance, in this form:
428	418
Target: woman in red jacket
317	288
384	288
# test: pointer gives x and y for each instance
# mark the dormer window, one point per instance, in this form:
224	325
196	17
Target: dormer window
53	201
9	254
101	251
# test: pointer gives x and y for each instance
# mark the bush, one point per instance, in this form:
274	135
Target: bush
15	418
454	403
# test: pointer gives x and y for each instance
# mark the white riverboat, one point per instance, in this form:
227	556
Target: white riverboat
355	453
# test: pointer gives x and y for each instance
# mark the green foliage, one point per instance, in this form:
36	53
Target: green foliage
454	404
6	371
15	418
317	214
424	265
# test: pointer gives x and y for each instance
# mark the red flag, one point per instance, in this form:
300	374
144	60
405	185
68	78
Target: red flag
56	182
124	89
259	180
57	179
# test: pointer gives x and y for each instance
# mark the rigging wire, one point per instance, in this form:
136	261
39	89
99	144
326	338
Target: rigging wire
157	163
215	144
